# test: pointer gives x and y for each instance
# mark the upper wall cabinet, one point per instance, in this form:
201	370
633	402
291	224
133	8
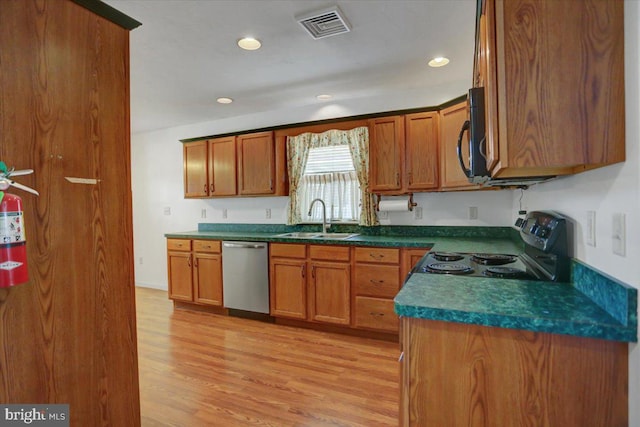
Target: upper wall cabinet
403	153
243	165
210	168
256	163
553	73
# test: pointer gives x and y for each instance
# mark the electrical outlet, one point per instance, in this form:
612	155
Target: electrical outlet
167	210
383	215
473	212
203	213
417	212
619	238
224	213
590	238
141	261
267	213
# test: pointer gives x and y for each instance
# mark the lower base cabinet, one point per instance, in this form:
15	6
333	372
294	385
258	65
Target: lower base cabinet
468	375
195	271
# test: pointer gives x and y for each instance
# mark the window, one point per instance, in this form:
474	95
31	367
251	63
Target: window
329	175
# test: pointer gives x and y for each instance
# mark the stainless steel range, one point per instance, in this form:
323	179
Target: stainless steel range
545	256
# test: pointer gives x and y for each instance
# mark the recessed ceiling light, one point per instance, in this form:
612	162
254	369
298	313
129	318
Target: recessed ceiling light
324	97
439	61
249	43
224	100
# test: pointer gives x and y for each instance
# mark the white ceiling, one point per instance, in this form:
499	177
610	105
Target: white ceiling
184	56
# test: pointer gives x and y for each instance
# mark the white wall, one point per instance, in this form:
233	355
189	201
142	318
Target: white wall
157	183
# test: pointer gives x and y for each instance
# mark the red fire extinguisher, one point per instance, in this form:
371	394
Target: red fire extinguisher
13	243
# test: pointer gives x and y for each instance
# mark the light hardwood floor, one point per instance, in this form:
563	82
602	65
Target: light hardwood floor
200	369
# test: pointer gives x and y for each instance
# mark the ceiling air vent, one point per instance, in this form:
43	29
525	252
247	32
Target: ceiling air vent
324	23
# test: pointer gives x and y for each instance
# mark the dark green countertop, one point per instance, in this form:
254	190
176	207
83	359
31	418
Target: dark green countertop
593	305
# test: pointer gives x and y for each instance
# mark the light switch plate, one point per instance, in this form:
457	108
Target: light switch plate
417	212
619	238
383	215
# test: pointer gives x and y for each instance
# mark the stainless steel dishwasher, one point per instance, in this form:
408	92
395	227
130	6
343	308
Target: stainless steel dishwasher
245	276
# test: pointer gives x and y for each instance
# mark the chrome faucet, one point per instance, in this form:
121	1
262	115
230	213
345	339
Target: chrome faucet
325	225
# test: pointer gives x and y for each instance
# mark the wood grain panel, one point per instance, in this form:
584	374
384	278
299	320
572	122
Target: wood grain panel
485	376
288	250
375	313
222	167
386	153
69	335
196	181
451	121
213	246
179	245
288	288
330	290
421	151
256	163
207	279
329	253
377	255
376	280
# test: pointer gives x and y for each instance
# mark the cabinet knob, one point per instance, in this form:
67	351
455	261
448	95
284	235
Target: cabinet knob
376	282
303	270
212	188
205	189
373	313
189	261
376	256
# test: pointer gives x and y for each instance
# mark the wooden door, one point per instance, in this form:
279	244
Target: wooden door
421	151
68	335
207	279
222	166
288	288
196	183
329	299
451	120
386	153
256	163
180	275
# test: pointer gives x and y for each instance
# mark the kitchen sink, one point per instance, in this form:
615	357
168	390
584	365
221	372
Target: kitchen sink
318	235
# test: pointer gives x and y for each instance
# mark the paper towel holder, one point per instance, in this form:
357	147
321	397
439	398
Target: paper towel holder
412	204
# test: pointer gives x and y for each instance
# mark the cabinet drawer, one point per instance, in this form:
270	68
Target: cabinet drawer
377	280
331	253
287	250
178	244
375	313
212	246
378	255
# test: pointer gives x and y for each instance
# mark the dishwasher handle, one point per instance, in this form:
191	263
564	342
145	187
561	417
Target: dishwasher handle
243	245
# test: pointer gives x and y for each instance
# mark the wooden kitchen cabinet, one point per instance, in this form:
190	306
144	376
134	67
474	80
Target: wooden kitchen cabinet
376	281
451	175
470	375
195	271
386	154
310	282
243	165
256	163
209	168
195	169
421	151
553	74
330	284
222	166
403	153
288	280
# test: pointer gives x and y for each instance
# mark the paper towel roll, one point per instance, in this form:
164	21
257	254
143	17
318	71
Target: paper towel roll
394	205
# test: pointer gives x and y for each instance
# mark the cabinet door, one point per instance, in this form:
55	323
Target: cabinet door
222	166
329	299
451	121
180	278
421	151
410	258
256	163
386	153
195	169
288	293
207	278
